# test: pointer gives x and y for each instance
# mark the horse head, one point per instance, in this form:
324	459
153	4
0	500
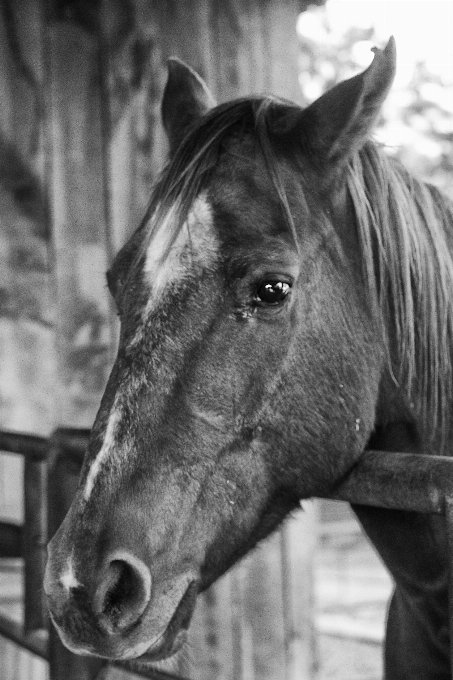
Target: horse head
248	368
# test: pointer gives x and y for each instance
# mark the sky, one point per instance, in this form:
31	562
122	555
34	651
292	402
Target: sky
423	30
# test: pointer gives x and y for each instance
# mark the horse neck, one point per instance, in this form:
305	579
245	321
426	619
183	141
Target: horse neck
405	233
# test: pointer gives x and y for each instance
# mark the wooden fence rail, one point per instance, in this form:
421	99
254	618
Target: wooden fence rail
400	481
51	468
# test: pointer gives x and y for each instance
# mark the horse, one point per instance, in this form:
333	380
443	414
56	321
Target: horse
285	305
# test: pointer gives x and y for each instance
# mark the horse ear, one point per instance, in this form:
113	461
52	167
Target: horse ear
186	98
339	122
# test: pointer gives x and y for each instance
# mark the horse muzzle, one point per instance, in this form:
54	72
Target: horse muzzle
121	614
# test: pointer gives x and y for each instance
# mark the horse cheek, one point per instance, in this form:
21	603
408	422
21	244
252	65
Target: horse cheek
325	408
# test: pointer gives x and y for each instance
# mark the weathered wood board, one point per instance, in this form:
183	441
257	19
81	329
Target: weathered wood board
80	145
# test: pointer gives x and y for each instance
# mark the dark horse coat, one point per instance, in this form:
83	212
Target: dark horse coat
285	304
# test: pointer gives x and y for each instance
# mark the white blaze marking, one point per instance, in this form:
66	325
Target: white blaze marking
208	416
106	448
194	245
195	248
68	579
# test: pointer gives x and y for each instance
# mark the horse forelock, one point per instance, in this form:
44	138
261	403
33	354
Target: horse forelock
403	228
188	173
193	249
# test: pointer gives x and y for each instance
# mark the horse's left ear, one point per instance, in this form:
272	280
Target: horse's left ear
339	122
186	98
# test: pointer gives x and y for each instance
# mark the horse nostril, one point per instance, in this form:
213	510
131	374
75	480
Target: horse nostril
124	593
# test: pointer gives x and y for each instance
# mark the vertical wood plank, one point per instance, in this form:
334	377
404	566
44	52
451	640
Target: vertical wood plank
25	331
282	49
135	148
21	55
26	367
211	639
264	608
242	666
185	31
240	55
449	532
34	543
298	545
75	180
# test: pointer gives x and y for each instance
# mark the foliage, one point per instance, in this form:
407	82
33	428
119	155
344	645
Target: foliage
416	123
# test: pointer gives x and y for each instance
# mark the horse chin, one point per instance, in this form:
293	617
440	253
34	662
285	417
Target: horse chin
162	650
168	643
175	634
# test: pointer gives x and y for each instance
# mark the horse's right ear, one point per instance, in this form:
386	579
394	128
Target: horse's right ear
338	123
186	98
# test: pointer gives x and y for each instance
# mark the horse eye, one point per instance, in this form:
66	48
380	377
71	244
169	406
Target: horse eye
272	292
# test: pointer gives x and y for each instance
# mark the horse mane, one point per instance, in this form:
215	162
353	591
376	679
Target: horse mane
405	231
403	226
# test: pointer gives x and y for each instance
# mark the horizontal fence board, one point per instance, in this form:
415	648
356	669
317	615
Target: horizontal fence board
408	481
11	537
27	445
35	643
399	481
256	622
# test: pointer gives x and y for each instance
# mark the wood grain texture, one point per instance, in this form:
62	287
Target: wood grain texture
76	192
81	86
25	315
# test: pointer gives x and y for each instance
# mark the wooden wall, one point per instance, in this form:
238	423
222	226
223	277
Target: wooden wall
80	145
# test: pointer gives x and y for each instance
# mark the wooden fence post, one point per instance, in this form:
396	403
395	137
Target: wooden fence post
449	528
64	468
34	541
298	545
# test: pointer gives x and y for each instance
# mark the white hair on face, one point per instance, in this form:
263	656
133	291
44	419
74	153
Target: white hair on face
194	249
170	260
68	578
107	447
